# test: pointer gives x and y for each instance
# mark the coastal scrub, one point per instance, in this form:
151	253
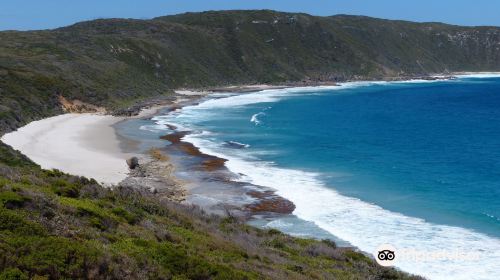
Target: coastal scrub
55	226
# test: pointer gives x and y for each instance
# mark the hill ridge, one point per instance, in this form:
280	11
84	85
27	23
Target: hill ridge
116	62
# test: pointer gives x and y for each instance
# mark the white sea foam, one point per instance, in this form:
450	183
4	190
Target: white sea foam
255	118
492	217
367	225
153	128
162	123
237	144
279	224
203	109
362	224
480	75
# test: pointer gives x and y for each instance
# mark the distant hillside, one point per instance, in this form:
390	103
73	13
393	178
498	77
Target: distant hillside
115	62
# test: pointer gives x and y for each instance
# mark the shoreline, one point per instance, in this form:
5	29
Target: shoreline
249	88
210	178
99	136
100	149
412	220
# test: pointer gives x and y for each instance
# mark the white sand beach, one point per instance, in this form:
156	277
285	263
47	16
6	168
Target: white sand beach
78	144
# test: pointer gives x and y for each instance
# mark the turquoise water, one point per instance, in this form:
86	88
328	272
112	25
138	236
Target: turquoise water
415	164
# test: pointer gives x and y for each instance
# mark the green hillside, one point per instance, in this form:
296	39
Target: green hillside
116	62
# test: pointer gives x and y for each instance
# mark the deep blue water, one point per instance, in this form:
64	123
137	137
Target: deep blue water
430	150
427	150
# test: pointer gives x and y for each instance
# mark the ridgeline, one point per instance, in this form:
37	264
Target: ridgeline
117	62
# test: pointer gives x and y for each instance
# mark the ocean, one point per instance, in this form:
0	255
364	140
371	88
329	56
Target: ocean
412	164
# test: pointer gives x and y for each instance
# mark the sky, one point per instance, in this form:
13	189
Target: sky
46	14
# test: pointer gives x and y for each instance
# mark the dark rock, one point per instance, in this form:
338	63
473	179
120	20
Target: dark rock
133	162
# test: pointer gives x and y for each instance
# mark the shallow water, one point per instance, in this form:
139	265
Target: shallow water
415	164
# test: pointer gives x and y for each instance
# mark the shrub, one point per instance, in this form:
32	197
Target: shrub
98	217
296	268
277	243
330	243
130	217
53	173
55	257
84	207
13	274
64	188
11	221
273	231
3	182
11	199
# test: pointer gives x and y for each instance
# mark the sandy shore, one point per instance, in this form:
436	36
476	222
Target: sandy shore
78	144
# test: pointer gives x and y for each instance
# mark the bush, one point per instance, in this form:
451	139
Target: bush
130	217
11	221
3	182
330	243
98	217
53	173
277	243
13	274
64	188
10	199
55	257
273	231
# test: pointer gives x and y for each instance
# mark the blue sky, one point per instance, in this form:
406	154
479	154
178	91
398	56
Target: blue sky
43	14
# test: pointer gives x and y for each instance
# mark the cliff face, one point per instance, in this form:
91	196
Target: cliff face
116	62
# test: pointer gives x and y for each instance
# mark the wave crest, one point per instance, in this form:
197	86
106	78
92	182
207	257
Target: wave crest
255	118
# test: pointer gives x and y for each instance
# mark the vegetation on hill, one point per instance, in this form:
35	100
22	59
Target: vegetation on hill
116	62
55	226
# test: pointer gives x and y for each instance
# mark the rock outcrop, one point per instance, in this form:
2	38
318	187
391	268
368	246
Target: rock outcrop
133	162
